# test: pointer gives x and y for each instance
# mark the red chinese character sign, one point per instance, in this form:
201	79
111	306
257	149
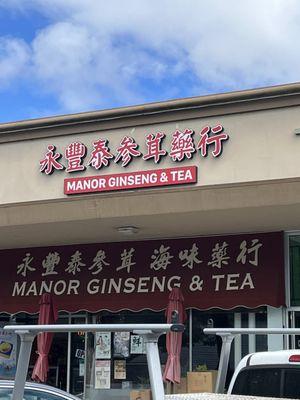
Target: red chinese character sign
216	139
50	162
224	272
100	155
154	151
97	156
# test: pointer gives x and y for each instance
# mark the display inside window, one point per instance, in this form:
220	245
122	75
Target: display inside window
121	344
120	369
103	345
102	374
137	345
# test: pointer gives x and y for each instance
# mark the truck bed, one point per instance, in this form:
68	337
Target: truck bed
213	396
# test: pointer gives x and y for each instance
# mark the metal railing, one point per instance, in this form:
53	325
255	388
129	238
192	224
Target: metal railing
149	332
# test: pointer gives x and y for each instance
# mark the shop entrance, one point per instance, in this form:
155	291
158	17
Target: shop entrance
205	349
66	357
77	358
82	366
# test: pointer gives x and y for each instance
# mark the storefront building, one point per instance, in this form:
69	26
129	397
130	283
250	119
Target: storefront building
109	210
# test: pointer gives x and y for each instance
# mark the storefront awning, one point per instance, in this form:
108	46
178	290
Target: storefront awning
218	271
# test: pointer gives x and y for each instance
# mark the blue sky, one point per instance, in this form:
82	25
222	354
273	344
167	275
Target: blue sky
67	56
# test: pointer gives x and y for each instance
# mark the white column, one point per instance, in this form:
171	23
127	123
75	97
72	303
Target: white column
237	341
251	324
275	320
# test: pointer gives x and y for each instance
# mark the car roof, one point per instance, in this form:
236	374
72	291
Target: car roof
39	386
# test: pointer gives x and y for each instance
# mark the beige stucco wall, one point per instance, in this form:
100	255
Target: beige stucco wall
254	186
262	146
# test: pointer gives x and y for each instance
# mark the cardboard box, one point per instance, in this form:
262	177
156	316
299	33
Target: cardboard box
143	394
181	387
198	382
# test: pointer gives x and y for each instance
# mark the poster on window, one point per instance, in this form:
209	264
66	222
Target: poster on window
102	374
137	345
81	367
121	344
103	345
120	369
8	354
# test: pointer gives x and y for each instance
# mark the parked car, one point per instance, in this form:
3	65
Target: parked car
34	391
270	374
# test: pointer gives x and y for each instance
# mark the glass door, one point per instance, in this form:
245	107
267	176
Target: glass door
77	357
57	375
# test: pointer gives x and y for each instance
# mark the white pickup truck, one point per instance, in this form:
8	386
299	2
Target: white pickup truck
271	374
274	373
278	372
261	375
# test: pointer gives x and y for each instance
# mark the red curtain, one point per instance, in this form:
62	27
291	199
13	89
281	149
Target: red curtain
174	339
47	315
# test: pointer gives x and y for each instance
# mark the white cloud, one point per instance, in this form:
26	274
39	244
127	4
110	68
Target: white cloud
14	57
95	53
82	67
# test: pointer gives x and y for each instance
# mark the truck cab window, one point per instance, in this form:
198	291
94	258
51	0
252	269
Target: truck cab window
258	382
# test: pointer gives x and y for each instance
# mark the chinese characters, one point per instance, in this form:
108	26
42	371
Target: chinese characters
162	258
184	144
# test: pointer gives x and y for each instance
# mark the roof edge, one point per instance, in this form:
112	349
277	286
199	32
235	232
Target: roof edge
154	108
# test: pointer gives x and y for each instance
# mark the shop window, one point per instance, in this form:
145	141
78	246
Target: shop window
294	254
294	322
126	361
206	349
244	338
261	341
